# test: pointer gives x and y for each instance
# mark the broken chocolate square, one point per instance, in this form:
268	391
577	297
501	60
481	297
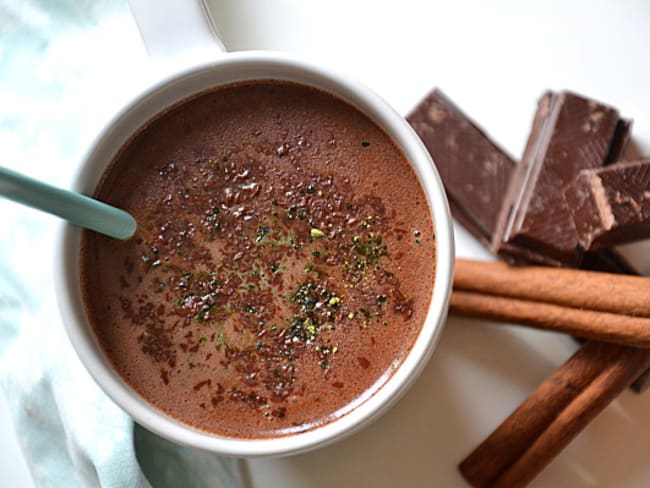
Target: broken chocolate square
570	133
474	170
611	205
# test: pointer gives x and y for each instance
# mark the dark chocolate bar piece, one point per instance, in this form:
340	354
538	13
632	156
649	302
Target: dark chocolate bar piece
607	261
642	383
474	170
611	205
570	133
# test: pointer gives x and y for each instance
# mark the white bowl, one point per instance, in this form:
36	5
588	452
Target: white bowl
227	69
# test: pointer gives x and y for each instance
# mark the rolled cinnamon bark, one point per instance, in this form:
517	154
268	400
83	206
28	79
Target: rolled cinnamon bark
592	290
553	415
588	324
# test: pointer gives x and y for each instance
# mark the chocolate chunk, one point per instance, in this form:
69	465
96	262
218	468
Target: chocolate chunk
608	261
474	170
642	383
570	133
611	206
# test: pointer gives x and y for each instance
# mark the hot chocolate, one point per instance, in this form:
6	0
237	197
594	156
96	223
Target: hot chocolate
283	264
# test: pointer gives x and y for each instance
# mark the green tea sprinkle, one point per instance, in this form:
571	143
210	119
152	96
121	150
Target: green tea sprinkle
262	230
316	233
334	301
309	326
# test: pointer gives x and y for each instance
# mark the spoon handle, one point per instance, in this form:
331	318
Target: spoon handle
74	207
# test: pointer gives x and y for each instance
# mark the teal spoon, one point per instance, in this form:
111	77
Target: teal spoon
74	207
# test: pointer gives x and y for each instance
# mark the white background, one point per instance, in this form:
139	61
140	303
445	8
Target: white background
494	59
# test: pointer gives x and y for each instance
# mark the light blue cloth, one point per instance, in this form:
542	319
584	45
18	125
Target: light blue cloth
65	67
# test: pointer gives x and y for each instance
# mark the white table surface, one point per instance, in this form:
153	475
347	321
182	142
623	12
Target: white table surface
494	59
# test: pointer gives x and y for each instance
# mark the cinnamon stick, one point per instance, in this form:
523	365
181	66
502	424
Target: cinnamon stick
588	324
572	288
553	415
592	290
